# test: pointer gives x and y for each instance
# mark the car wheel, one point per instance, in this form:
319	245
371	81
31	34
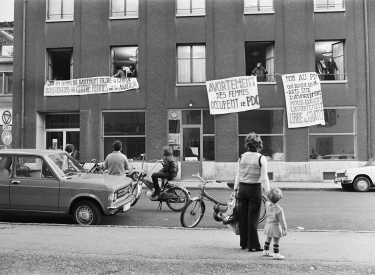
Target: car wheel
86	213
361	184
347	187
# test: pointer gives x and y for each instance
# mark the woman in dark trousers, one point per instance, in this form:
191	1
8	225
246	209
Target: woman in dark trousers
251	175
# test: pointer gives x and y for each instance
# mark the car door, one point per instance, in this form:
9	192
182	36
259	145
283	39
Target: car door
5	172
33	186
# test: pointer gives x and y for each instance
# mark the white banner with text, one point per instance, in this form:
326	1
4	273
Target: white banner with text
89	86
304	101
232	95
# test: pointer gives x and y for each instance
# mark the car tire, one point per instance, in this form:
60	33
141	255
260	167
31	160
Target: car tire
361	184
347	187
86	213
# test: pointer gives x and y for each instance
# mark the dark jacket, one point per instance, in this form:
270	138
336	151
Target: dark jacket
170	165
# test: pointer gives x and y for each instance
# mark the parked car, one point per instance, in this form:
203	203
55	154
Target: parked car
52	181
360	179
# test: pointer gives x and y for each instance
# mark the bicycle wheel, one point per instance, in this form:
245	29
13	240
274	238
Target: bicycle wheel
182	197
262	215
192	213
136	192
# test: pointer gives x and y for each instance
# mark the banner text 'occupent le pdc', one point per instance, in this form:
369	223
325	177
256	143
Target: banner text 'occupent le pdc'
232	95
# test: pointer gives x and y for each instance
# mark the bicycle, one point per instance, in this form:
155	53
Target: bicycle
97	168
175	196
195	208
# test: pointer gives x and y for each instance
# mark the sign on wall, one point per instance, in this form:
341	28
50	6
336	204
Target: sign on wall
87	86
304	101
232	95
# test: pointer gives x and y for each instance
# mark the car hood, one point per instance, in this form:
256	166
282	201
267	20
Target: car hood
97	181
357	170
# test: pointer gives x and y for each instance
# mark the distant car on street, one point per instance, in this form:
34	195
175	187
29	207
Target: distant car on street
52	181
360	179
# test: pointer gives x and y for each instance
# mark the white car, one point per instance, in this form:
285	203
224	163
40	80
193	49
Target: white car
360	179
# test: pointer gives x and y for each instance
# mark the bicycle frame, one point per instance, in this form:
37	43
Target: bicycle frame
204	193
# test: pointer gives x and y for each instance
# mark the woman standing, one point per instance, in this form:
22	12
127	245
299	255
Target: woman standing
332	69
251	175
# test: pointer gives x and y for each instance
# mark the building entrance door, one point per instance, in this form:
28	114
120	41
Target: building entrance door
191	150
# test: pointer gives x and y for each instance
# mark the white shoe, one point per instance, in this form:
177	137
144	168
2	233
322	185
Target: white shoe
267	253
278	256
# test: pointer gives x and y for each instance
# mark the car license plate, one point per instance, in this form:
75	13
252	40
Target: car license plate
126	207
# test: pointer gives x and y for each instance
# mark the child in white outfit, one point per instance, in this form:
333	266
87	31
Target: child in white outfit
275	227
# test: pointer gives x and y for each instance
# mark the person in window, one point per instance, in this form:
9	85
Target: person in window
321	69
69	148
332	69
116	162
119	73
133	71
260	72
169	171
251	176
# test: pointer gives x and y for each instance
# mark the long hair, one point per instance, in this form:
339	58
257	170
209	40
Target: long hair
253	142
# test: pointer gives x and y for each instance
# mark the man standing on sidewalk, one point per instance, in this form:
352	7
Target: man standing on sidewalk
116	162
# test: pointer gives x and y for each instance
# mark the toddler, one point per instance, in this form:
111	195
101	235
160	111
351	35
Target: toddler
275	227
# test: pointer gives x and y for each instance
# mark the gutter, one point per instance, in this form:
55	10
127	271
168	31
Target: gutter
23	74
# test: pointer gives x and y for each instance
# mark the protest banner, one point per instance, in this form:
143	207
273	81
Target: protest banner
304	101
86	86
232	95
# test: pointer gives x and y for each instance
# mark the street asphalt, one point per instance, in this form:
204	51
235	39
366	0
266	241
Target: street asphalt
72	249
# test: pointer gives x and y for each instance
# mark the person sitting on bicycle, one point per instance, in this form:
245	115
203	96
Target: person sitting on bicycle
116	162
169	171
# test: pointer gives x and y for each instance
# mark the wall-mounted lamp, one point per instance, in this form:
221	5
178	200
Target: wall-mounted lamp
191	103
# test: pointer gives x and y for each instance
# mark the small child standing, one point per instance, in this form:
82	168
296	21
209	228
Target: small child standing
275	227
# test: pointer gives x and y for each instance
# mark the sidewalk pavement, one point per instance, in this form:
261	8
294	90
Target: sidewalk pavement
289	186
309	250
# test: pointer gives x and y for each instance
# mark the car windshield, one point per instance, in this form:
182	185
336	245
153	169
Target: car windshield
65	165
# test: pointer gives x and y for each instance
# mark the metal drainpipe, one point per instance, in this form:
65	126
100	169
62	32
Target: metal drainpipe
23	74
368	95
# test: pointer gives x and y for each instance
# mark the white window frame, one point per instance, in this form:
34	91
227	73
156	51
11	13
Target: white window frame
193	11
354	134
328	9
4	83
191	66
67	17
125	8
259	10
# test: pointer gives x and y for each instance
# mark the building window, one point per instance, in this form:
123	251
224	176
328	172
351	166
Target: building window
191	64
269	124
329	60
191	7
124	8
328	5
260	60
129	128
6	50
60	64
6	83
258	6
336	139
60	10
208	136
124	59
62	129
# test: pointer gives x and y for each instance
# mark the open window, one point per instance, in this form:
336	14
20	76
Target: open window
329	60
260	60
60	64
126	59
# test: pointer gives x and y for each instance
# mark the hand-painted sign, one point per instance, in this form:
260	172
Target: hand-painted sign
232	95
304	101
89	86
